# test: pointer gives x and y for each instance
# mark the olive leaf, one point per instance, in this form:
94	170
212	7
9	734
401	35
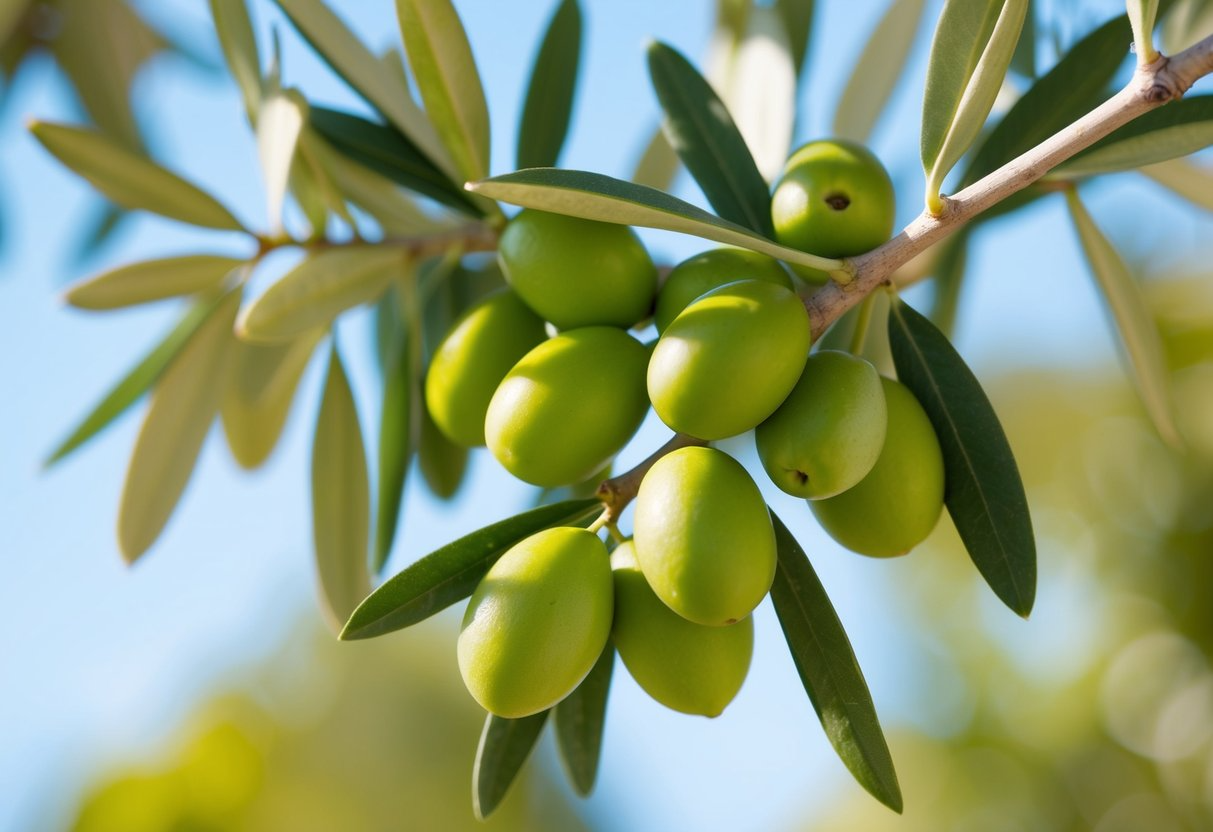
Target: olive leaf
1186	179
551	90
972	48
761	90
1023	61
1182	127
828	668
580	718
451	573
279	123
504	746
982	488
699	128
396	436
152	280
443	463
239	44
129	179
658	163
797	16
184	403
340	499
1141	15
1131	313
594	196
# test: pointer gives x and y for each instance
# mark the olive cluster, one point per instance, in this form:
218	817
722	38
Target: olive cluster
733	355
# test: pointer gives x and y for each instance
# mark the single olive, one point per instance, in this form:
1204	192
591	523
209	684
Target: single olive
898	503
709	269
828	433
729	359
537	622
685	666
472	360
576	272
703	536
568	406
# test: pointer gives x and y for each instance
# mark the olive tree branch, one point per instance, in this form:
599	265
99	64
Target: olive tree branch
616	492
474	236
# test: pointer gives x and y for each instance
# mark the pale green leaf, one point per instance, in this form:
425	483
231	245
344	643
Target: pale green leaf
1178	129
11	13
235	30
1138	332
1185	24
877	71
340	500
1141	17
319	289
970	53
594	196
761	92
282	116
259	395
1187	179
131	180
183	406
658	163
152	280
441	59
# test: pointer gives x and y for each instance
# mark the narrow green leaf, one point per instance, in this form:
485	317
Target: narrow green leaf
450	574
1023	61
259	395
184	403
1184	24
239	44
830	673
1187	179
973	44
1141	15
1131	314
1179	128
388	153
152	280
658	163
1069	90
700	129
136	382
761	91
441	59
282	116
359	68
949	280
982	490
580	718
797	18
551	90
340	499
318	289
594	196
131	180
505	745
443	463
877	71
11	13
396	437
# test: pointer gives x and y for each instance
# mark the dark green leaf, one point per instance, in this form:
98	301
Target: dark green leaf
949	279
798	23
443	463
982	490
550	93
389	153
1023	61
451	573
829	671
1171	131
579	722
395	439
702	132
504	746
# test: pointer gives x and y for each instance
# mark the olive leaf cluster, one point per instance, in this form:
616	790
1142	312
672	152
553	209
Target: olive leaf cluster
536	352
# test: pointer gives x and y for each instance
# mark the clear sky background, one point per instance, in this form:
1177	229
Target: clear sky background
99	661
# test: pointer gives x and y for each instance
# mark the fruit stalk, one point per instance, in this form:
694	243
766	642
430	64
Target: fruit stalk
617	492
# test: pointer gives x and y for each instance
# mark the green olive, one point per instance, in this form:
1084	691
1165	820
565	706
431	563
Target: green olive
834	199
576	272
537	622
898	503
828	433
703	536
685	666
568	406
472	360
729	359
709	269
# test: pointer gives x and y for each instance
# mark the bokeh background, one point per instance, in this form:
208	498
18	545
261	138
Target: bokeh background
199	690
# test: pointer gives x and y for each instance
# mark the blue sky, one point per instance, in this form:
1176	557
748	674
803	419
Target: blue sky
98	661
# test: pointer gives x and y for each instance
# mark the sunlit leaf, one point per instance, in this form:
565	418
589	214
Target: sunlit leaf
1141	16
1187	179
135	383
658	163
982	490
761	90
797	18
184	403
551	90
1179	128
239	44
830	673
973	44
131	180
877	71
580	718
396	437
1138	332
451	573
152	280
340	499
282	116
701	131
594	196
505	745
318	289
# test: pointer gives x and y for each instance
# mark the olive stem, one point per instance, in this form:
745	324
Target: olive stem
603	520
860	335
613	530
476	236
616	492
